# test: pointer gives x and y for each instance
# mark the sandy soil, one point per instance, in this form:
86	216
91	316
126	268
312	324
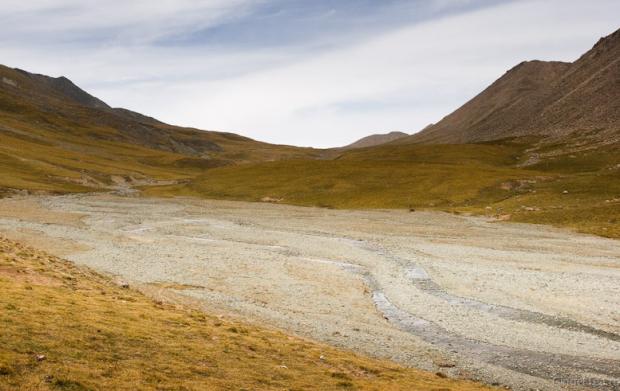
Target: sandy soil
526	306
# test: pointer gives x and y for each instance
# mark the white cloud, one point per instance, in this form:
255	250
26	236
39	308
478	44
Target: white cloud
130	21
399	80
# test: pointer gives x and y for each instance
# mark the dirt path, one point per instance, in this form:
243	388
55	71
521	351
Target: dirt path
521	305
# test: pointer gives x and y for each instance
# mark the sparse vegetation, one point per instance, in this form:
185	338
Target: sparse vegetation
476	178
49	143
579	190
67	328
540	145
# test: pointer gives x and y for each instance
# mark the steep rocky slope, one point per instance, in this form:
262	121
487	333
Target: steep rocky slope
576	102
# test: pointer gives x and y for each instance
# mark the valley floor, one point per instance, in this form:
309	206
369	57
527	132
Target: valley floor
520	305
64	327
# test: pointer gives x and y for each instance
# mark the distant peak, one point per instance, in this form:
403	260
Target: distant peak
58	87
64	80
541	98
532	65
376	139
607	43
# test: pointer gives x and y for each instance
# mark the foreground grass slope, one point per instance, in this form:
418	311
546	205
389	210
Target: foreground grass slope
576	189
67	328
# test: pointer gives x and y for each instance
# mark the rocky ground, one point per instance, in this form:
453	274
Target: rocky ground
526	306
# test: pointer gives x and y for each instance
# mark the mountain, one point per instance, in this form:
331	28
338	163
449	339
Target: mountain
376	139
41	86
38	95
56	137
558	100
539	145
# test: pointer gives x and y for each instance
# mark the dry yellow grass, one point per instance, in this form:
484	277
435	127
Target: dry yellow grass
52	145
579	190
51	142
67	328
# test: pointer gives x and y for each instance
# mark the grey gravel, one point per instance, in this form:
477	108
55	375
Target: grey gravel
526	306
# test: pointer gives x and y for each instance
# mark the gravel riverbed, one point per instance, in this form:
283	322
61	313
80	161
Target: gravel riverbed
529	307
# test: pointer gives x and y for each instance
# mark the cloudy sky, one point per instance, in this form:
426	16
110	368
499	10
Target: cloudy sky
304	72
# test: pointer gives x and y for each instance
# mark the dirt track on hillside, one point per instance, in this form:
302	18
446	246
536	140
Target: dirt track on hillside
521	305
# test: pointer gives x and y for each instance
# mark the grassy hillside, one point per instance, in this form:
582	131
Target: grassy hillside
67	328
580	190
56	137
33	160
477	178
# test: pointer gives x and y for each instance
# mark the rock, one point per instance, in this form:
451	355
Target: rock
271	199
507	186
8	81
40	357
565	192
444	363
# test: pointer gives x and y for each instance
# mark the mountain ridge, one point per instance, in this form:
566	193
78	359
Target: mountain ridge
375	140
32	96
542	98
564	172
61	87
56	137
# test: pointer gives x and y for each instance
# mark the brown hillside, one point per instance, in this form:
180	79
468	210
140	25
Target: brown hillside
56	137
376	139
543	99
58	105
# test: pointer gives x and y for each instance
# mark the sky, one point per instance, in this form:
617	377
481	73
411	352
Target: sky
319	73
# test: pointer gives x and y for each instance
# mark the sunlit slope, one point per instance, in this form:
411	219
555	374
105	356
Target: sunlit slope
56	137
580	190
67	328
